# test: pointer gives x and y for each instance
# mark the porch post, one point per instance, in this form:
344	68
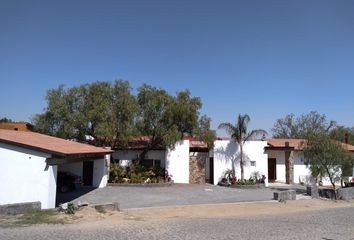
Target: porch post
289	167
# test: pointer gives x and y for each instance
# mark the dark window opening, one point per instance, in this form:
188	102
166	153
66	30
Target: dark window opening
151	163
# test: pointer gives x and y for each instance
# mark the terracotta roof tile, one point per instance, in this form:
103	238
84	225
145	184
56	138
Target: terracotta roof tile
49	144
297	144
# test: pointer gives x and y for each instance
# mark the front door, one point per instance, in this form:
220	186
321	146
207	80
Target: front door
272	169
87	173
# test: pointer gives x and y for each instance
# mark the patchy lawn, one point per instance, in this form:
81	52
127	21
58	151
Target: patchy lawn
31	217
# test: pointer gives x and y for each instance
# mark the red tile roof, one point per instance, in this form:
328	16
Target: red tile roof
48	144
296	144
349	147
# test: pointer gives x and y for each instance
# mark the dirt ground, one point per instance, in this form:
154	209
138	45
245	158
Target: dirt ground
90	216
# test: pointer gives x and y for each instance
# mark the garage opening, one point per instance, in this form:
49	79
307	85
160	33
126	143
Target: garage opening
77	177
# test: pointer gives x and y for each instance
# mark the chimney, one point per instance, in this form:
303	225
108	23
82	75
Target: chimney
346	138
287	144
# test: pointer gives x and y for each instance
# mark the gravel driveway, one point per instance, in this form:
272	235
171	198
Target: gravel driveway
177	194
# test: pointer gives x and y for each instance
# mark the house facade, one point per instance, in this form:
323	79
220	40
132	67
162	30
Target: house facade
279	160
29	164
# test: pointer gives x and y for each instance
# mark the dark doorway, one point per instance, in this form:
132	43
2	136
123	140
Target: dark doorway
87	173
211	170
272	169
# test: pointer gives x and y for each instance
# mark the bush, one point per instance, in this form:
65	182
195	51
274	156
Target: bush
117	172
71	209
246	182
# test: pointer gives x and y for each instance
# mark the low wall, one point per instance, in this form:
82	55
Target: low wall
342	193
18	208
346	193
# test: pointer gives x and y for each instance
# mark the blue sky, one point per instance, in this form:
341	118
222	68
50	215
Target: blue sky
263	58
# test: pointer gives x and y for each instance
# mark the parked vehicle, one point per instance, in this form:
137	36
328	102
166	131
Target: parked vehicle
67	182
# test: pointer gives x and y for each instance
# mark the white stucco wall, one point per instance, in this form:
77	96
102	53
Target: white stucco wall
100	172
25	177
227	153
280	164
126	156
177	162
301	171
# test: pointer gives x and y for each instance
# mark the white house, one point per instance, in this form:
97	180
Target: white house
280	160
192	162
175	161
29	163
227	156
286	162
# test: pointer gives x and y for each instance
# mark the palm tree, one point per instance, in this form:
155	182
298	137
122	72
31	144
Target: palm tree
239	133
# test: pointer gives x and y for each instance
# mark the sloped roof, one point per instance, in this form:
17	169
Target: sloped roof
140	142
296	144
48	144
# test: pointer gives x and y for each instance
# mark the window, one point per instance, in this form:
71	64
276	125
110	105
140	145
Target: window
151	163
253	163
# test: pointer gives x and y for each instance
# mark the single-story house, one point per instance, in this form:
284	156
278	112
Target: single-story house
191	161
29	163
286	162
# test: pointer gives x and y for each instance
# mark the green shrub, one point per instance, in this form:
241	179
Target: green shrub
71	209
117	172
136	178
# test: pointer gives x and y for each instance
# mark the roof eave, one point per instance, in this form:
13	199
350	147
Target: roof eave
56	153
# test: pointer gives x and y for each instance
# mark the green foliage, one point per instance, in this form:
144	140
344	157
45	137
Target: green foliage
302	126
71	209
166	119
117	172
327	157
246	182
340	132
203	131
240	134
106	113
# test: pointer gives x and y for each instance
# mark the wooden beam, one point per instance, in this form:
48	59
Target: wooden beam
59	161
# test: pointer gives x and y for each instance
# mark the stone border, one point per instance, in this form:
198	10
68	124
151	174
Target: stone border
18	208
254	186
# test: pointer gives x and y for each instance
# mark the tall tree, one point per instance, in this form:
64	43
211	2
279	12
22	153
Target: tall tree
327	157
343	134
155	118
240	134
299	127
101	112
167	119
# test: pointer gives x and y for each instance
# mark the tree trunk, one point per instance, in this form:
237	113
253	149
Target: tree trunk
332	182
334	189
241	162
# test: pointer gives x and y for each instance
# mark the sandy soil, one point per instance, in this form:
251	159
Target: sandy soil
90	216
